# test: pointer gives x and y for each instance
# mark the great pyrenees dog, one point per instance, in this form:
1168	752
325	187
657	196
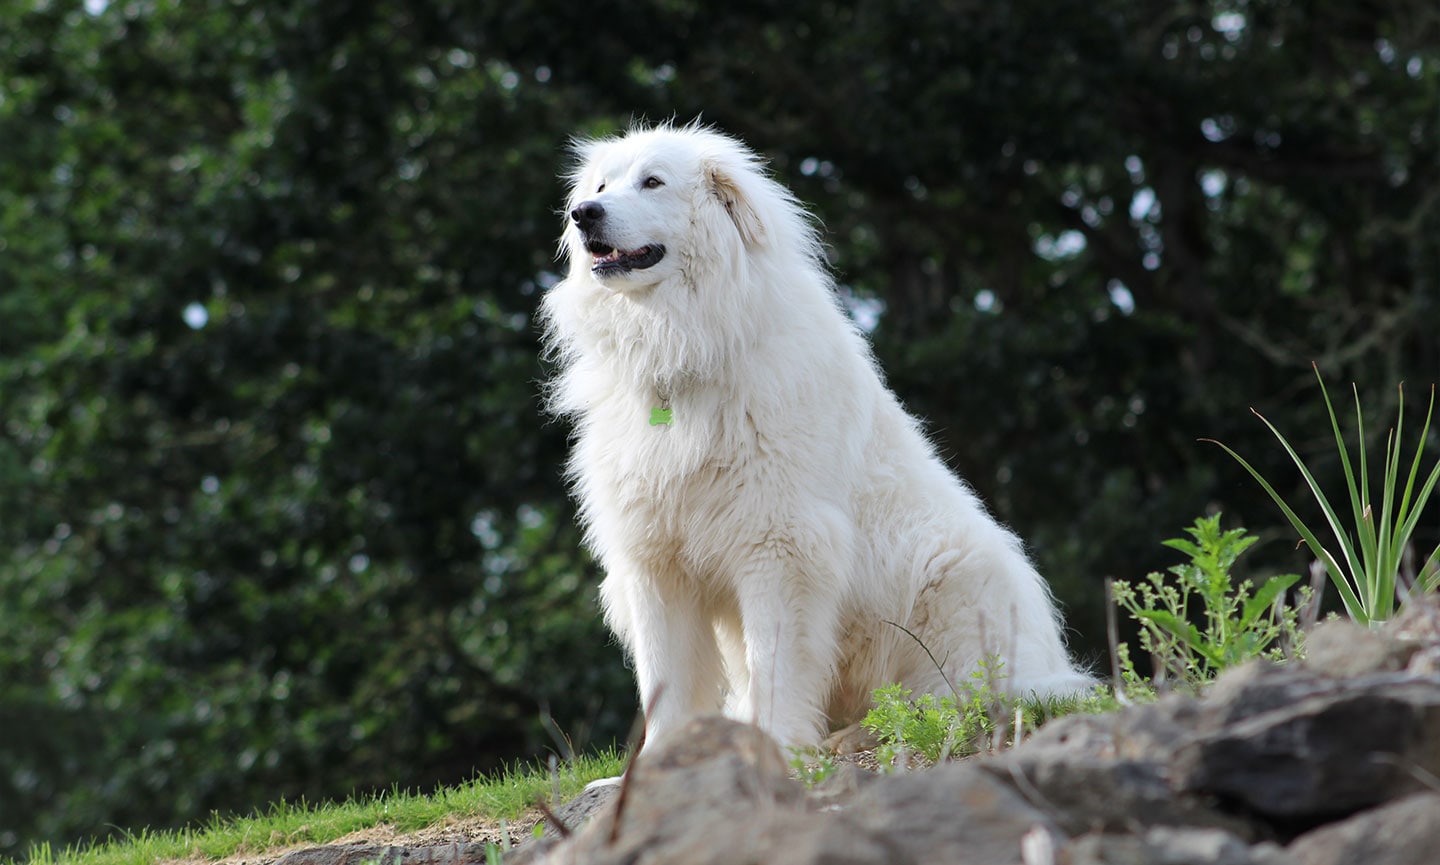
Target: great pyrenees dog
778	537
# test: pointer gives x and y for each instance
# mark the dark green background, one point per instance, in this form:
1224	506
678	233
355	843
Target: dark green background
319	544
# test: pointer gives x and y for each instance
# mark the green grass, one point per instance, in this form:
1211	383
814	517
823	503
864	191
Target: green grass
287	824
976	718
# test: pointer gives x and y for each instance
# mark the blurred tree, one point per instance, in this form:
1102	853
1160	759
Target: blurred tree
284	517
279	514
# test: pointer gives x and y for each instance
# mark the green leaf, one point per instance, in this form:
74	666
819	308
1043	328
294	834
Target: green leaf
1185	631
1265	596
1184	546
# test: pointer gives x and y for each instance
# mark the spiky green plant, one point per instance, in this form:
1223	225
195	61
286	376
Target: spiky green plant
1372	547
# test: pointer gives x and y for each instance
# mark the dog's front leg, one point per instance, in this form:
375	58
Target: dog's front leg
791	627
671	643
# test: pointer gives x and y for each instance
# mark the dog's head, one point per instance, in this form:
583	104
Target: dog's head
659	203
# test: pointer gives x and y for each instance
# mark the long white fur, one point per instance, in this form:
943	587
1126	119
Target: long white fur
758	549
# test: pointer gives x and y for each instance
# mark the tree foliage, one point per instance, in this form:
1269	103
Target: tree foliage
279	514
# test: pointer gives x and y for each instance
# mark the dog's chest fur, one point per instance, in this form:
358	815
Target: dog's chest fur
675	484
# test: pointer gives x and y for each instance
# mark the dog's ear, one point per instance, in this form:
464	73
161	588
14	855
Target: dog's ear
724	187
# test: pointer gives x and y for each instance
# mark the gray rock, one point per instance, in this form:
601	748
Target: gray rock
1403	832
719	794
956	813
335	854
1075	736
1149	732
578	811
1166	846
704	797
1086	794
1289	748
1342	649
372	854
1252	689
572	816
839	789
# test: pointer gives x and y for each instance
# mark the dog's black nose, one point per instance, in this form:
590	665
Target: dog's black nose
587	214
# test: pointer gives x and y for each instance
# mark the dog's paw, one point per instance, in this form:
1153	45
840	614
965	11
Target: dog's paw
850	740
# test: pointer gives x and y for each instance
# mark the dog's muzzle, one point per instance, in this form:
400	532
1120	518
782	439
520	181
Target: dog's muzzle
589	217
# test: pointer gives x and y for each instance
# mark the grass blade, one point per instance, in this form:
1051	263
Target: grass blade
1415	466
1389	551
1408	528
1356	575
1338	576
1358	493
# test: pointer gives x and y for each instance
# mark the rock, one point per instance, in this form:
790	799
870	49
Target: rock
719	793
1167	846
572	815
1076	735
1301	749
955	813
700	797
1085	794
337	854
577	811
1403	832
372	854
839	789
1252	689
1149	732
1342	649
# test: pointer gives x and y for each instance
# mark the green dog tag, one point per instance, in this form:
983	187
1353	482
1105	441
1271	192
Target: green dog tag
661	416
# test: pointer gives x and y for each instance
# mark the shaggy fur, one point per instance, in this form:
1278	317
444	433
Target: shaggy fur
758	548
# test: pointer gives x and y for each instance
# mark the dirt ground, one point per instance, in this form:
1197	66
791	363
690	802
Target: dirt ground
455	830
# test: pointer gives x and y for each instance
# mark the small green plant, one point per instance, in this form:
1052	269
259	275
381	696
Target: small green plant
1237	622
1367	570
976	717
929	727
1131	687
812	767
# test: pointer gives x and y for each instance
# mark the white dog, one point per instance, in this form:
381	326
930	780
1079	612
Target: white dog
770	520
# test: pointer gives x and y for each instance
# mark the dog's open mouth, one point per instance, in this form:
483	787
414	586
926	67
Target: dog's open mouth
608	259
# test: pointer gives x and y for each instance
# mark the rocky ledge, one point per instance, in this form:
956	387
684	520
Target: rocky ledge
1332	760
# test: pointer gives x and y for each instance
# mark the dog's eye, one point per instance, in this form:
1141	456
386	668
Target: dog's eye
653	182
600	188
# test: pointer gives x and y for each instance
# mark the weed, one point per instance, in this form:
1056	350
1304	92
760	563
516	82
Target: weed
975	718
1238	622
